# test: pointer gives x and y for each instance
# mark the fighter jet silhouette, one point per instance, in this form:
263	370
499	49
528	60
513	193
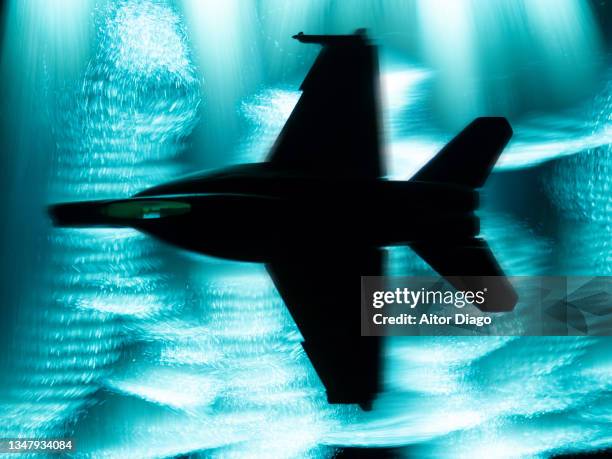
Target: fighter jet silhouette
319	210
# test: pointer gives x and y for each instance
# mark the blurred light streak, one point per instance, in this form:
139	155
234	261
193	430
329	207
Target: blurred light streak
215	366
225	38
580	187
412	141
138	99
277	21
229	376
487	76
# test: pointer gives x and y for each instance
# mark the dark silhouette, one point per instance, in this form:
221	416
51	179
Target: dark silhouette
319	211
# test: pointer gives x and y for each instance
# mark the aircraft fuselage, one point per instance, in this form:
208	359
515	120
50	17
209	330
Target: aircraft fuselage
251	212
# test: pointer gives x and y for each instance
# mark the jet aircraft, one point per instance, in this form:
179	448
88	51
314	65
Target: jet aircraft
319	212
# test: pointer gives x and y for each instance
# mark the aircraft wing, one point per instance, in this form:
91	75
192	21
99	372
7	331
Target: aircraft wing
334	128
321	288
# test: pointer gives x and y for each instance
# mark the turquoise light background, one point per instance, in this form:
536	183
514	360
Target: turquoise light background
138	350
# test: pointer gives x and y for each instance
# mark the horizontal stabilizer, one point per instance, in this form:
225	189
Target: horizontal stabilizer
470	266
468	159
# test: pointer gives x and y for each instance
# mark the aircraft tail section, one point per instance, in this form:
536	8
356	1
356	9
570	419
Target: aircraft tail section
468	159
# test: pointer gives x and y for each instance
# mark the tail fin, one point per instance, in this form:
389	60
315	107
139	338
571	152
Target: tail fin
467	160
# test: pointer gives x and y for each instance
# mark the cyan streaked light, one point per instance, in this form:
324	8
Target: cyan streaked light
143	39
486	49
580	186
124	330
225	40
116	132
277	22
449	41
412	140
244	378
488	391
47	36
158	384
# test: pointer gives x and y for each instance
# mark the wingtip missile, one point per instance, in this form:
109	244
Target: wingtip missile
360	35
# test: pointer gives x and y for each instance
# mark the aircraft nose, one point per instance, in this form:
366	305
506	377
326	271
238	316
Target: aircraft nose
111	213
145	209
